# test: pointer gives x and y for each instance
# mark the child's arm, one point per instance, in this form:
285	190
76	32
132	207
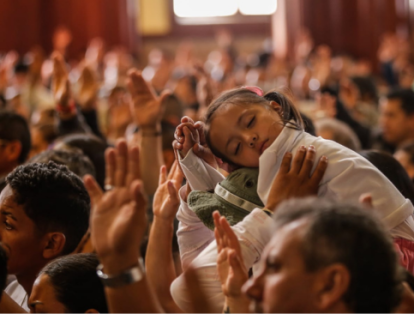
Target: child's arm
193	236
195	159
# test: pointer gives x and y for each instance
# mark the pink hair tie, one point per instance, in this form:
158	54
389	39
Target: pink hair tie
254	89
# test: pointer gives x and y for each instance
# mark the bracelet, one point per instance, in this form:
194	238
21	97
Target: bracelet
268	212
66	109
127	277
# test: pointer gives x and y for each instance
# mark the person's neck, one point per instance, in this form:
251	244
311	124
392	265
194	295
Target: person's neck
408	140
27	280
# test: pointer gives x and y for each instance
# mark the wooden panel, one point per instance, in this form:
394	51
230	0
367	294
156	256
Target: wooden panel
25	23
354	27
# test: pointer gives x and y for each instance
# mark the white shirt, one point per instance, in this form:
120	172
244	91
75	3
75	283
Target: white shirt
18	294
347	177
198	247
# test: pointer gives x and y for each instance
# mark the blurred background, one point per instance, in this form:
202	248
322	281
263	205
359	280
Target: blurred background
335	58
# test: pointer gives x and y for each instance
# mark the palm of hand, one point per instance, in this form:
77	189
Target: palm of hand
87	92
60	84
164	206
146	109
223	270
113	223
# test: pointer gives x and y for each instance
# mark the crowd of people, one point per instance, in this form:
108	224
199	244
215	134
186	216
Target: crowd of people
240	183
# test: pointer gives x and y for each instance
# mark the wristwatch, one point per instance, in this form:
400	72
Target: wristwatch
127	277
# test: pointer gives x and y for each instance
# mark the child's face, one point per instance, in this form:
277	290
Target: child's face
242	133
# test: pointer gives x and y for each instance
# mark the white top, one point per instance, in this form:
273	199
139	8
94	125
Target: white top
347	177
198	247
18	294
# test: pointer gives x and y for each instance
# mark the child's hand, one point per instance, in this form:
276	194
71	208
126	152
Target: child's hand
186	136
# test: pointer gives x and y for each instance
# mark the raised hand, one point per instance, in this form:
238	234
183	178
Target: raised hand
147	108
294	179
191	135
186	136
166	200
60	82
88	89
118	221
230	266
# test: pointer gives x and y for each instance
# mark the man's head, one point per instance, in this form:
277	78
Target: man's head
14	141
327	256
45	212
397	116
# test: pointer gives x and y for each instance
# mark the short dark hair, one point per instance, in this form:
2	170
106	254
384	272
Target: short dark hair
405	96
339	232
76	284
393	170
54	198
93	147
13	127
48	131
76	161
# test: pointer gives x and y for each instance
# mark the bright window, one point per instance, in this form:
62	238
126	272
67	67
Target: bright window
257	7
217	8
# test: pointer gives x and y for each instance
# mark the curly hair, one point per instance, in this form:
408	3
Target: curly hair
54	198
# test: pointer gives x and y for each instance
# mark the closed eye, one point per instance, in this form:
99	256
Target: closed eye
237	149
251	122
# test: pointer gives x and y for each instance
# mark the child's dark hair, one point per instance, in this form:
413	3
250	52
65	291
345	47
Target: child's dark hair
241	96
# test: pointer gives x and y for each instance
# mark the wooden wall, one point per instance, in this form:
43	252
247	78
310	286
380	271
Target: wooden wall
351	26
24	23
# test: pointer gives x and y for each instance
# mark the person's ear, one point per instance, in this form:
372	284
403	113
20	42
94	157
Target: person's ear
54	245
276	106
13	150
92	311
332	283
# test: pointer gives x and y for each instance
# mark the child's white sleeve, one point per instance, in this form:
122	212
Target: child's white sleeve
192	235
200	175
254	232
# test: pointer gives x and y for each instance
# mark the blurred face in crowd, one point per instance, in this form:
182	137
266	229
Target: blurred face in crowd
39	144
397	127
284	284
9	155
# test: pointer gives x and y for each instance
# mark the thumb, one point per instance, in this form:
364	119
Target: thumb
164	95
